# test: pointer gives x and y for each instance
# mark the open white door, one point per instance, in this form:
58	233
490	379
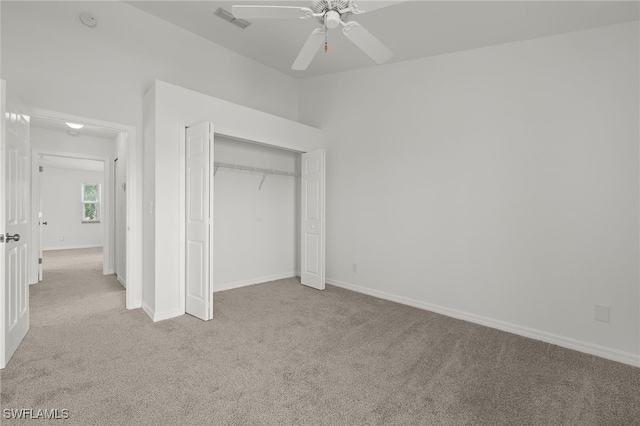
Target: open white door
41	223
199	218
120	220
14	193
312	228
37	185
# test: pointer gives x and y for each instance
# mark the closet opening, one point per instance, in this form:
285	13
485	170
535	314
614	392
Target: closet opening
253	213
256	220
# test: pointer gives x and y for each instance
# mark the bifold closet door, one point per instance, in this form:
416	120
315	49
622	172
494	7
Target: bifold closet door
199	221
312	258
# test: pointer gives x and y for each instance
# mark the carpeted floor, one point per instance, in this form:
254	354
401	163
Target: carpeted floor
280	353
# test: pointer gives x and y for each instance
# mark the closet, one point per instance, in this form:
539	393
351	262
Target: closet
256	219
179	129
253	214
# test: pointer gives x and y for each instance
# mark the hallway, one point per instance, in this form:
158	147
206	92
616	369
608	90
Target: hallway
73	288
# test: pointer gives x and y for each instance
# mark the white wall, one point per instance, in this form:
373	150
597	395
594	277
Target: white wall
149	219
256	232
499	185
62	210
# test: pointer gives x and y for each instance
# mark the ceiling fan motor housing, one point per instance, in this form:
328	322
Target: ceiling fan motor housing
322	6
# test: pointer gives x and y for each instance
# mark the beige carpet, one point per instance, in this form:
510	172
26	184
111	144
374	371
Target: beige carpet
280	353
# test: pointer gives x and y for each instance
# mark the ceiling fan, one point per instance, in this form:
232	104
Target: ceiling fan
330	14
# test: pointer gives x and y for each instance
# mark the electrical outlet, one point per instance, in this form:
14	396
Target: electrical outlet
602	313
354	267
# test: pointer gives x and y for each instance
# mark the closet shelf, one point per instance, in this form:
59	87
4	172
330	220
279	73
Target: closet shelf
265	172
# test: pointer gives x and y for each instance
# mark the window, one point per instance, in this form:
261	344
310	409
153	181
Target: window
90	202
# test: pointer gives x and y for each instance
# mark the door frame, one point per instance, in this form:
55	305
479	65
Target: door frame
134	197
107	201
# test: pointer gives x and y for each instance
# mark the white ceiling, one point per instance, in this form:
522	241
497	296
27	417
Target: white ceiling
60	126
411	29
51	161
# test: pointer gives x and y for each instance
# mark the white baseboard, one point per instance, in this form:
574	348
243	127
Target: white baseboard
136	305
121	281
159	316
147	310
71	247
244	283
555	339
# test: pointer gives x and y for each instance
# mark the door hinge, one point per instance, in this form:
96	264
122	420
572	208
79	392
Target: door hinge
41	168
40	261
1	238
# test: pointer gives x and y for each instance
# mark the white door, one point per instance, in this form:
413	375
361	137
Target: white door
14	190
120	220
312	244
41	221
199	221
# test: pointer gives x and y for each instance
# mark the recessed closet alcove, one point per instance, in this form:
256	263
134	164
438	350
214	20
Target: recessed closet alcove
265	177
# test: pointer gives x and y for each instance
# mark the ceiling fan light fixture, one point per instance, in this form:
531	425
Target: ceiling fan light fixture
332	19
330	14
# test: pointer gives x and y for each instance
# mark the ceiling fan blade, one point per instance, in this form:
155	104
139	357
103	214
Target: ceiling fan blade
371	5
258	12
309	50
367	42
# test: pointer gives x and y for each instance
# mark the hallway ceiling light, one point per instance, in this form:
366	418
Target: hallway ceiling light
75	126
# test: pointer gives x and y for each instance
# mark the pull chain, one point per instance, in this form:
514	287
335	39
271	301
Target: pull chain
326	37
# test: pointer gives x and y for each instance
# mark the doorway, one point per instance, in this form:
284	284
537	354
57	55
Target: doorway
120	210
72	189
22	190
71	200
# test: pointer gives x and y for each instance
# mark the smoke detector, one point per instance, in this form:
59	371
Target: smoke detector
88	19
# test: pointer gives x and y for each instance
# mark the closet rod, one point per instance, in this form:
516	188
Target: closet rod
252	169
